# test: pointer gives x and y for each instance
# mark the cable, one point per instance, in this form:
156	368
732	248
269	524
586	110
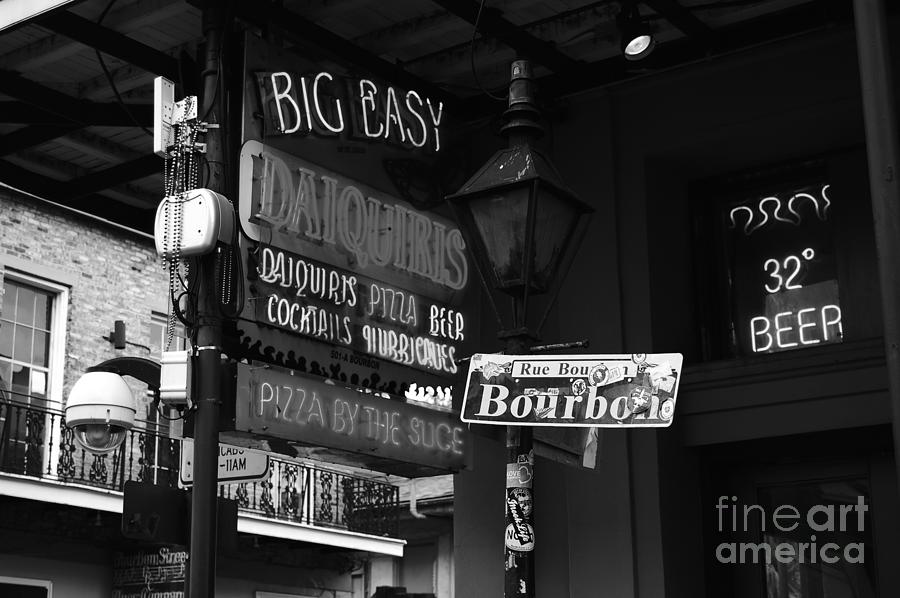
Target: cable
182	414
109	77
472	57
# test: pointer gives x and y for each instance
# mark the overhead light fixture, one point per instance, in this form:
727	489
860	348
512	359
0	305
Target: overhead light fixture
637	38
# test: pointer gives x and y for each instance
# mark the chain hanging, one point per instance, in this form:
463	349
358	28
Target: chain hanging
180	177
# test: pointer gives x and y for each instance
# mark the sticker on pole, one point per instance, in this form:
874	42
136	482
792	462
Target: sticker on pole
235	464
629	391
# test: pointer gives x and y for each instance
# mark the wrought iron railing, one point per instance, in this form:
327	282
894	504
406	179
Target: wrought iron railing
35	442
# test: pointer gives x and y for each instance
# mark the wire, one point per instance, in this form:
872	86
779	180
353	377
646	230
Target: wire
472	57
119	99
182	414
109	77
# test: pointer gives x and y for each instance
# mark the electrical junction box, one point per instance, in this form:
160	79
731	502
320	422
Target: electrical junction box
163	115
175	378
192	223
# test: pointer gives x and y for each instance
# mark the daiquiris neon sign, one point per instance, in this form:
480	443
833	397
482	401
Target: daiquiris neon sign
784	267
305	203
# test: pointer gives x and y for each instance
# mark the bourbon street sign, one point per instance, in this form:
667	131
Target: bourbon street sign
275	403
572	390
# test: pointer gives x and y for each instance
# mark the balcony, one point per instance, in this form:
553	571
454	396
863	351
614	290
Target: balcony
40	460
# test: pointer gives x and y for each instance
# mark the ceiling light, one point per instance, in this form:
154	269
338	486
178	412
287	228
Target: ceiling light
637	39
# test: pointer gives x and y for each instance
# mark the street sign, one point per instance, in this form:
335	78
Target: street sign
236	464
630	391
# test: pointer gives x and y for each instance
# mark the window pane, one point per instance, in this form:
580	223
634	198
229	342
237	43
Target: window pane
8	310
25	306
20	379
157	337
41	349
42	311
5	375
38	384
22	347
6	339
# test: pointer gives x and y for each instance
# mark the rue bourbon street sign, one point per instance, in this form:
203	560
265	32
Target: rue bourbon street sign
635	390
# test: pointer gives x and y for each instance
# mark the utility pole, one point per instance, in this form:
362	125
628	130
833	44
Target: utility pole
208	371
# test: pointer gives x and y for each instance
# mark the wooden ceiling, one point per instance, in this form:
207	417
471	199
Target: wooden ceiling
76	83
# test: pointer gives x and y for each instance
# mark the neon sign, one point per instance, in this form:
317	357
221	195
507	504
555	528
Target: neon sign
316	300
782	271
280	404
327	212
295	104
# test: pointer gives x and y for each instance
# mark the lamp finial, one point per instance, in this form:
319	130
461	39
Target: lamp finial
522	114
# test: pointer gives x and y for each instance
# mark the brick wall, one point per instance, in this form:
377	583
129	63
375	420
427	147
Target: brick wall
112	274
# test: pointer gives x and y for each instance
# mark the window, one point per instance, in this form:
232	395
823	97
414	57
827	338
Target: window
14	587
782	269
25	326
32	345
773	246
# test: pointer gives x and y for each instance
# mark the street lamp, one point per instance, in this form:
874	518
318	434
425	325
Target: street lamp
522	225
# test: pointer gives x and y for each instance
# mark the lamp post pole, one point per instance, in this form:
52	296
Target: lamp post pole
519	538
207	361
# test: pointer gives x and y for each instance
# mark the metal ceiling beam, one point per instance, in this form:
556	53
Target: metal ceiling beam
682	19
27	137
304	32
492	24
112	43
64	106
113	176
94	114
98	146
24	179
86	189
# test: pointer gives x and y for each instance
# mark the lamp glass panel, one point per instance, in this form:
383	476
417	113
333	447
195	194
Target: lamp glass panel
554	223
500	221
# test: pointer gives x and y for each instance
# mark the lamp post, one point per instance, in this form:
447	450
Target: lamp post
522	225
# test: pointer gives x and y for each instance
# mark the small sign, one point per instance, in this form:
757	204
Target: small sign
236	464
149	572
636	390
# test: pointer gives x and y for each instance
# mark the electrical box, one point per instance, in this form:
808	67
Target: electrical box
175	378
163	115
192	223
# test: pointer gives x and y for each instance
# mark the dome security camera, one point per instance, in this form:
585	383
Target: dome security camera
100	410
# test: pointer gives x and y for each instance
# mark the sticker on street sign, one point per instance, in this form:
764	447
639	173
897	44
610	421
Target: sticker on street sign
612	391
236	464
